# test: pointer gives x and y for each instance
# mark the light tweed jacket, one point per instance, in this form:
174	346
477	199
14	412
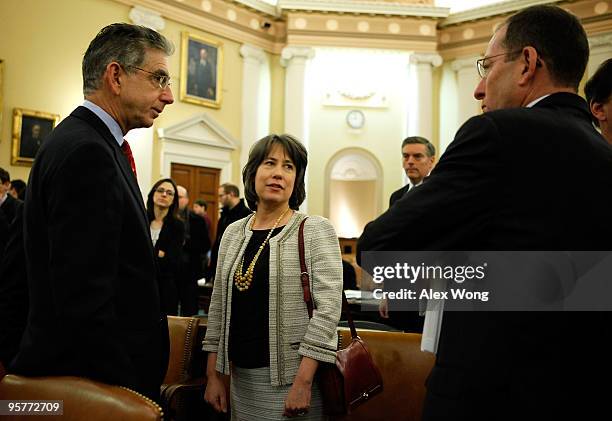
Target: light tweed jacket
292	335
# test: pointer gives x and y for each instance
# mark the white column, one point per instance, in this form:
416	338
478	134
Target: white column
601	50
467	79
255	99
295	59
420	109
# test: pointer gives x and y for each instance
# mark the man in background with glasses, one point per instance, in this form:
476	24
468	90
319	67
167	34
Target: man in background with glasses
531	173
94	297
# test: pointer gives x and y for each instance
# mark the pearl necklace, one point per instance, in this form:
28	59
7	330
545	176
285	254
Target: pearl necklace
243	282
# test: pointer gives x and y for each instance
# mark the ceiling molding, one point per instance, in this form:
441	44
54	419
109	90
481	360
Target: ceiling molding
146	17
363	41
489	11
370	7
218	25
261	6
604	40
392	24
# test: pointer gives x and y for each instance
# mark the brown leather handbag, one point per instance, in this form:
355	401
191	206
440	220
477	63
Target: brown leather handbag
354	378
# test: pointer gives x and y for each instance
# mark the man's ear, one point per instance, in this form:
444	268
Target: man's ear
530	62
597	109
114	76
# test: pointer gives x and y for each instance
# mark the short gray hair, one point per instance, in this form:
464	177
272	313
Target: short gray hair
429	147
121	42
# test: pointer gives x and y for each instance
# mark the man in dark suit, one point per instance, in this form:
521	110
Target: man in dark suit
94	298
205	76
4	232
13	291
8	204
193	254
418	157
233	209
507	182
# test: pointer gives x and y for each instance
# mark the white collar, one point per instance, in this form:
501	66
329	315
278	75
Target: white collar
535	101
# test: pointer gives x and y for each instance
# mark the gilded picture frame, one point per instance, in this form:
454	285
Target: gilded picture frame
201	70
30	128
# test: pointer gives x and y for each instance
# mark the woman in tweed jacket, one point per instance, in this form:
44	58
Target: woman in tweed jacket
258	326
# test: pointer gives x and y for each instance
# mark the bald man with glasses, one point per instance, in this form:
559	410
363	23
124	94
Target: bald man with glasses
530	173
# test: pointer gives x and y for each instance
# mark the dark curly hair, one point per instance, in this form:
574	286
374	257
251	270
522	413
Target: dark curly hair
259	151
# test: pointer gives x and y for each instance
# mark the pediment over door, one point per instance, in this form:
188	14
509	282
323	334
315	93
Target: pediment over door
198	141
201	129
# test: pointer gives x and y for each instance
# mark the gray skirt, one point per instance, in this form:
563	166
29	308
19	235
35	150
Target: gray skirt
253	398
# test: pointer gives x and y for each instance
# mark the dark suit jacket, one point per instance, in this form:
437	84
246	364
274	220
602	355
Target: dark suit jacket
4	232
170	241
196	245
519	179
13	291
9	207
94	298
398	194
228	216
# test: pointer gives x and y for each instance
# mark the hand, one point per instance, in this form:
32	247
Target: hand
383	308
215	393
161	254
297	402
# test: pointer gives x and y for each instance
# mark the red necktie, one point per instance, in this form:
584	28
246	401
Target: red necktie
127	151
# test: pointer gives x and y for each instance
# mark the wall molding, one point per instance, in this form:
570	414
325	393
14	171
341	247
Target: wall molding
147	17
491	11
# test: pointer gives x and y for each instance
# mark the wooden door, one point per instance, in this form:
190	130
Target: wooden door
201	183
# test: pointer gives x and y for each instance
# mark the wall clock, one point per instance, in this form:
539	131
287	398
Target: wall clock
355	119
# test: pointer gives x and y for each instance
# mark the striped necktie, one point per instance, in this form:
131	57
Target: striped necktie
127	151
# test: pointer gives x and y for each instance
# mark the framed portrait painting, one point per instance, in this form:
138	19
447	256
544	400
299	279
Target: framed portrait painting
30	128
201	70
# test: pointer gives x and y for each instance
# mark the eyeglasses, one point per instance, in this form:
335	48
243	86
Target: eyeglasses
161	190
483	69
162	80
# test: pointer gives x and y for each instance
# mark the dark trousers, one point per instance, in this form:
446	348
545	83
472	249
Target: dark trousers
187	288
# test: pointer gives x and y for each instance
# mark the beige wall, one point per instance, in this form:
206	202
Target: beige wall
42	52
229	113
384	127
352	205
42	44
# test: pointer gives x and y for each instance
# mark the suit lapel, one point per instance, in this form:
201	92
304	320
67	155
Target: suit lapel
89	117
129	176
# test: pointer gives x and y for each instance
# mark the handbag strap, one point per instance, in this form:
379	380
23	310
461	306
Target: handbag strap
305	278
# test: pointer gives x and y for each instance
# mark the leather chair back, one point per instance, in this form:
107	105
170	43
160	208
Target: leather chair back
404	368
183	340
83	399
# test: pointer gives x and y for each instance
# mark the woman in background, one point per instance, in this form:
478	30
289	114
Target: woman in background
167	233
258	321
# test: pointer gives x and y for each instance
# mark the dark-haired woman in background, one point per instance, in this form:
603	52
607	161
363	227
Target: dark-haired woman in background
167	233
258	320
